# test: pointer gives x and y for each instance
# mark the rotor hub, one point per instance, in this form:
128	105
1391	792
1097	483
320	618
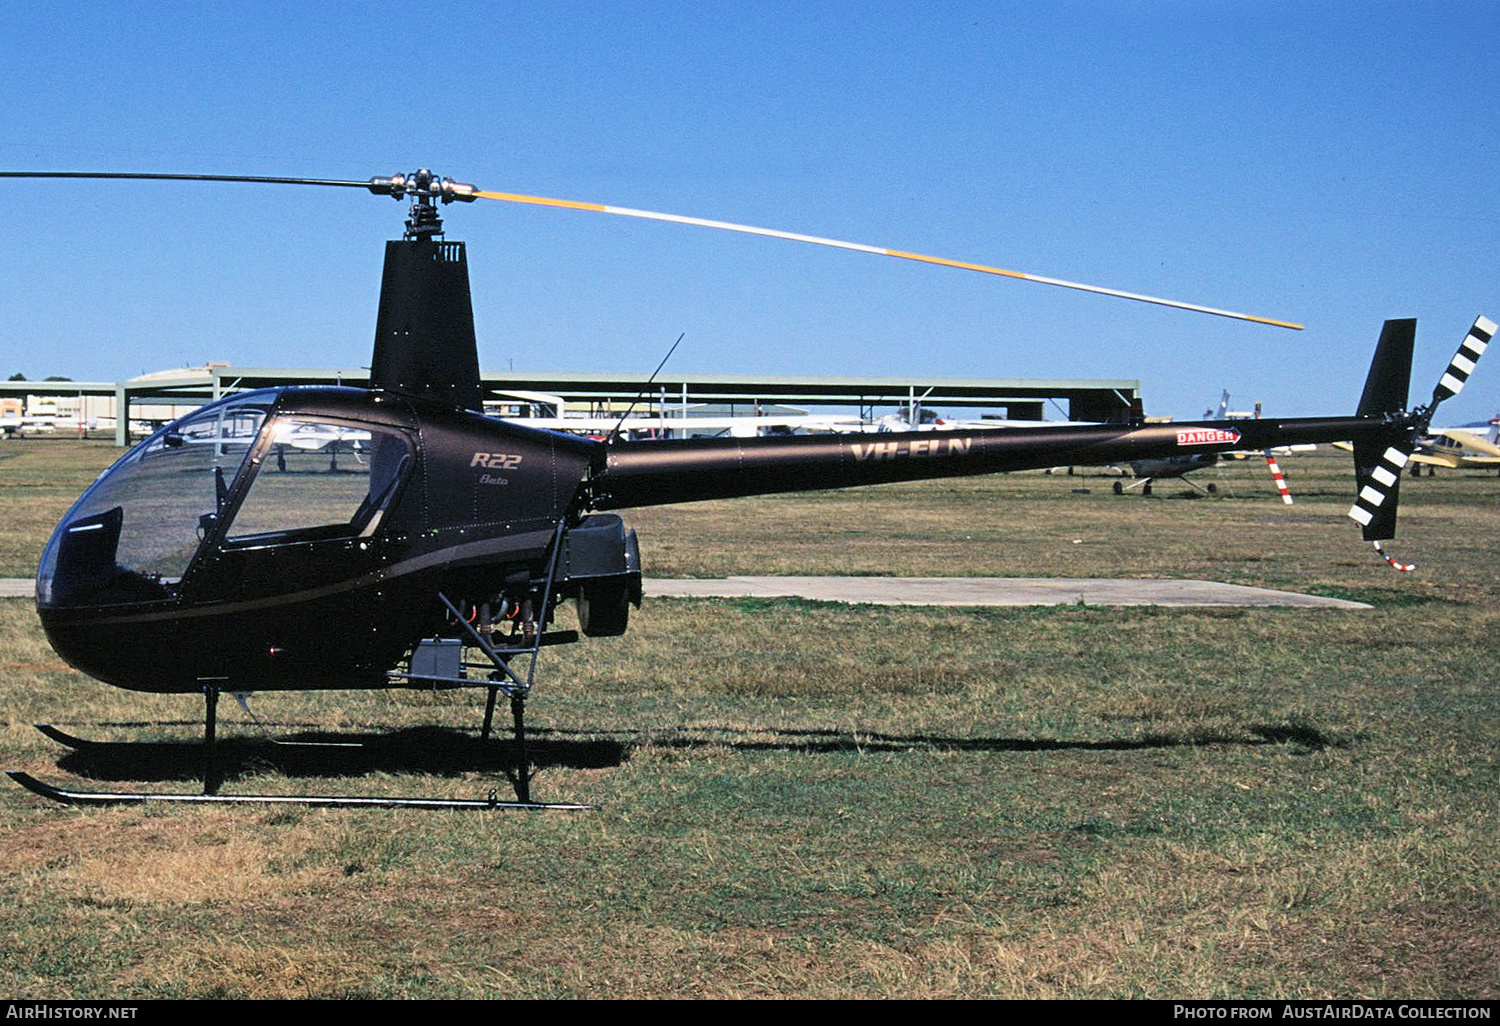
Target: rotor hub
425	190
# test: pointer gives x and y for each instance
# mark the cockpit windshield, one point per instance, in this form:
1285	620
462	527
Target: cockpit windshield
133	534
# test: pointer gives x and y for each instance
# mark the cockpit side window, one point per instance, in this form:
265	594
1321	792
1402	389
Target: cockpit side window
320	479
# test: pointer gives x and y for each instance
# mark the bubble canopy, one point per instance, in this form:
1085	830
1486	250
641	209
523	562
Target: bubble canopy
231	474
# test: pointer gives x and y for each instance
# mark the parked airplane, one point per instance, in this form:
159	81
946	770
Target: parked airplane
1459	449
1470	447
1178	467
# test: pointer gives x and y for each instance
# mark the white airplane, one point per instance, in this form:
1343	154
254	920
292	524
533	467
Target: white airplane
316	437
1178	467
543	410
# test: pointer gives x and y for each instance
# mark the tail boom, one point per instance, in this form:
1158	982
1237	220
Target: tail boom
688	470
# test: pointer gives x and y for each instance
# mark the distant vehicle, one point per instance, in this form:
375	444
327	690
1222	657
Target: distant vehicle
1470	447
1173	467
1179	467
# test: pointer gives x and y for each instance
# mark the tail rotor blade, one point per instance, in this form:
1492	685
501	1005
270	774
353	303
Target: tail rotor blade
1462	364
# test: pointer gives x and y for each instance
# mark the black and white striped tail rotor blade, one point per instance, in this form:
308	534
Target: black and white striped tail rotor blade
1374	508
1462	364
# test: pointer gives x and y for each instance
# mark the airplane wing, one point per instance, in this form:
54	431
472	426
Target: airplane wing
1280	450
1436	459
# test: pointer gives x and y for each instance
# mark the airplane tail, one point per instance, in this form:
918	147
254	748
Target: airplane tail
1379	459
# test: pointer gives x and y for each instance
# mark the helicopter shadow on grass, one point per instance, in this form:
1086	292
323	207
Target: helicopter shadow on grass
446	752
434	751
831	742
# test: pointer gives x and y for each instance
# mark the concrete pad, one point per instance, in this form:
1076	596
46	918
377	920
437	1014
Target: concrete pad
992	591
952	591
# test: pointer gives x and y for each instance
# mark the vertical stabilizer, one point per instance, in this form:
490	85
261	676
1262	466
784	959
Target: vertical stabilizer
1389	380
1378	461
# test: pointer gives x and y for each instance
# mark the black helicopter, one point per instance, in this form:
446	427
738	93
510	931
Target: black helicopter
213	556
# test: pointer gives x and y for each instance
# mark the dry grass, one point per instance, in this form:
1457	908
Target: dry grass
824	801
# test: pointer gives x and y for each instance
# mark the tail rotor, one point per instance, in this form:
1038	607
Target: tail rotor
1379	460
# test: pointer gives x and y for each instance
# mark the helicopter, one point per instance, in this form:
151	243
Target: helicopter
216	556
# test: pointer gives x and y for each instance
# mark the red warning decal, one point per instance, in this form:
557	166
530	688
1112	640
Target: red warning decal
1207	436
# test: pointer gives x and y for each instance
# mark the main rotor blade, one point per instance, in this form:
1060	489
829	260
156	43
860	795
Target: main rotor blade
422	183
153	177
650	215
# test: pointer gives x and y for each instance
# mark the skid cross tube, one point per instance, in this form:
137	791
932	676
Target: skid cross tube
104	798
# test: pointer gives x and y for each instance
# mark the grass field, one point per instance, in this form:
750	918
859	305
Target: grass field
798	799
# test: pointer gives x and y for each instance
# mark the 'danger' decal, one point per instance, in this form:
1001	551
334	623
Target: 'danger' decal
1207	436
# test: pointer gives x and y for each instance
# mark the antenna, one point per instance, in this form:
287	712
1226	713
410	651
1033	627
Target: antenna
615	431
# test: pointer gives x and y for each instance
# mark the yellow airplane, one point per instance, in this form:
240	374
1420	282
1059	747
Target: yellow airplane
1457	448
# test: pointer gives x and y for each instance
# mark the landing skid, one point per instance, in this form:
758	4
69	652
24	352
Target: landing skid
104	798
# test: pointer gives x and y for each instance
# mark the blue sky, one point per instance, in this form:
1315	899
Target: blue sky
1329	163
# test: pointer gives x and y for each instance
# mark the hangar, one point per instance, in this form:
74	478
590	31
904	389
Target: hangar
165	395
